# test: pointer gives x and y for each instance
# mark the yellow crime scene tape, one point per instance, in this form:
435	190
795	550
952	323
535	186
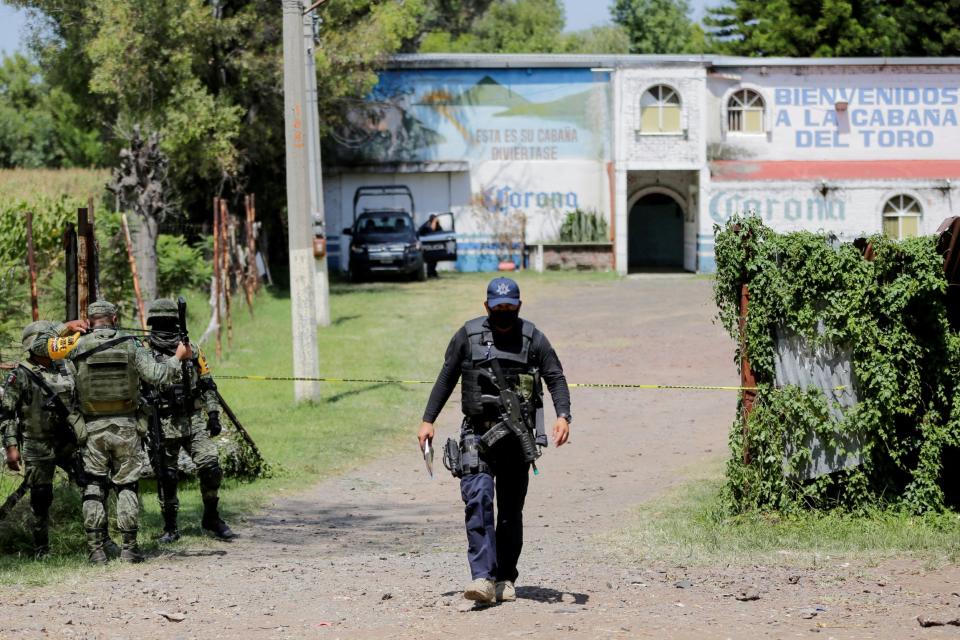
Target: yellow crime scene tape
574	385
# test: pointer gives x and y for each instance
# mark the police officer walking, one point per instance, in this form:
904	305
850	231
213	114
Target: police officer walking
501	359
110	367
183	424
39	410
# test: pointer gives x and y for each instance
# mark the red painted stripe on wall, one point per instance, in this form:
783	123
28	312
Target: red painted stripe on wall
721	170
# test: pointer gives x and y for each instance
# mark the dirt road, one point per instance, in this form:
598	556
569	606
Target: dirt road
379	552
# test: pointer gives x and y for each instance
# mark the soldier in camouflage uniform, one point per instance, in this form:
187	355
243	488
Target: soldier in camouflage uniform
110	367
28	415
182	419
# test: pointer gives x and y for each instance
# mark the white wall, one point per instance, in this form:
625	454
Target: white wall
850	209
641	151
893	113
544	190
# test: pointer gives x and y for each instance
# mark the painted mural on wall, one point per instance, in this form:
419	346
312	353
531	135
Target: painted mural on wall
479	115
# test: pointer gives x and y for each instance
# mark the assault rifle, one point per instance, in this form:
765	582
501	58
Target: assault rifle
64	432
186	367
155	452
14	498
512	421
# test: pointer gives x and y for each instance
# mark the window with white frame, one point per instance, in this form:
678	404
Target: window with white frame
901	217
660	110
745	110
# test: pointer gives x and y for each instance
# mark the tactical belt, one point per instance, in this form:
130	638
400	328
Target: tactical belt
110	408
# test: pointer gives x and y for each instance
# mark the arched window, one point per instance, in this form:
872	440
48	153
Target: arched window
745	112
660	110
901	217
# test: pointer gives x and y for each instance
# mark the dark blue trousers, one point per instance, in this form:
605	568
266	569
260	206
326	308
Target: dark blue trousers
493	545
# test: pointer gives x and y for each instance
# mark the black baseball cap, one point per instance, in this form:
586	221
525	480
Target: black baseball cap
502	291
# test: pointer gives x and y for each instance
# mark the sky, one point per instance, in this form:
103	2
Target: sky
581	14
12	22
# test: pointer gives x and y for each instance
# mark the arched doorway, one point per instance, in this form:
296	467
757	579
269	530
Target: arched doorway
655	233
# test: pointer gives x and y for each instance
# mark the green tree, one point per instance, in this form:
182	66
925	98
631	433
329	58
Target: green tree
836	28
207	76
601	39
39	124
454	17
658	26
508	26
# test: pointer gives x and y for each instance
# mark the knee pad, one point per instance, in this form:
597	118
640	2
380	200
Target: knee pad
41	497
211	477
129	486
97	489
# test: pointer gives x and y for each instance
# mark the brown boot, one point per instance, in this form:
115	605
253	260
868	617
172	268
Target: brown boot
130	550
95	547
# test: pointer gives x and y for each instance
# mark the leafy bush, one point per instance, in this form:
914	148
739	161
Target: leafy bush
582	226
180	266
891	314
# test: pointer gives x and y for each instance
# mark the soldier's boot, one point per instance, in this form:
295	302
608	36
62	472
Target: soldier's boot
211	522
170	531
111	548
130	550
41	542
41	497
95	547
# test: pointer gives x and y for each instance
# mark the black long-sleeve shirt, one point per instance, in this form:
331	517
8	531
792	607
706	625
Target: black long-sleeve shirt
542	356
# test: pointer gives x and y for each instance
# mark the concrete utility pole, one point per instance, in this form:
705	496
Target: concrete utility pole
306	362
316	172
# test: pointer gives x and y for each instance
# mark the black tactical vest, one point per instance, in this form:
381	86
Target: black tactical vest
480	393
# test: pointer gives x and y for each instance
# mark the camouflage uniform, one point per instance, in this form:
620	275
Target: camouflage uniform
29	423
184	424
108	390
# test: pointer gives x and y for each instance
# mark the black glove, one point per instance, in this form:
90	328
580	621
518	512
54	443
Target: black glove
213	423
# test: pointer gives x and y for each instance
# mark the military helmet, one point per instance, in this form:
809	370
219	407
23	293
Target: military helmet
101	308
162	308
34	329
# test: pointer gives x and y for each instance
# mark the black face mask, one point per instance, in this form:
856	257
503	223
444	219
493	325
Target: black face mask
164	336
504	320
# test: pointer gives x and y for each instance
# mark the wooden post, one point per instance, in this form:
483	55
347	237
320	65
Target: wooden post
83	265
133	271
32	266
253	242
216	275
251	259
93	253
225	267
70	268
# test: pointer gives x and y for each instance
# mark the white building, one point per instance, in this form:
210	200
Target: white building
663	147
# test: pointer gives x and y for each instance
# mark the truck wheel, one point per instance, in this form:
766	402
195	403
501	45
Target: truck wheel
354	276
421	274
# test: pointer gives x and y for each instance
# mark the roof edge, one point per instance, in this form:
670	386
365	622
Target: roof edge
614	61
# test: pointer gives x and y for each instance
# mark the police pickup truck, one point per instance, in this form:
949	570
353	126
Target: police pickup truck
384	240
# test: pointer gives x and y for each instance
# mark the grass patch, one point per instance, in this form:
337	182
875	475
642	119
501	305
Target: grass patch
379	330
689	527
27	184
